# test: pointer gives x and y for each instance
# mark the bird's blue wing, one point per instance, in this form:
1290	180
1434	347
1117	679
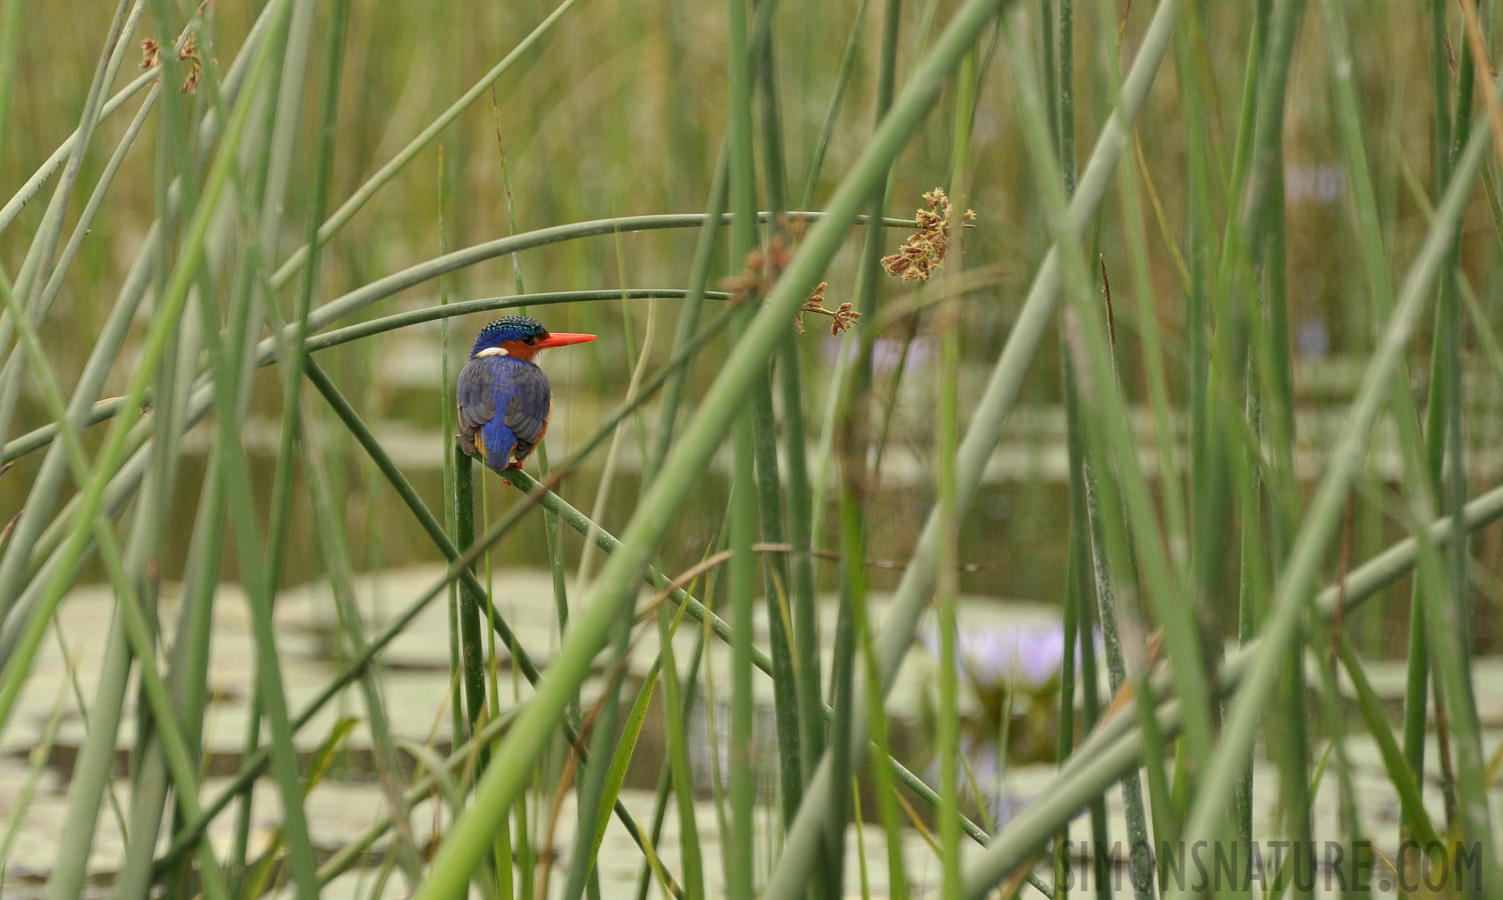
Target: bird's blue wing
503	408
528	402
476	396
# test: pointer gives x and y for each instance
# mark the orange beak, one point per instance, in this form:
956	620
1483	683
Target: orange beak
562	339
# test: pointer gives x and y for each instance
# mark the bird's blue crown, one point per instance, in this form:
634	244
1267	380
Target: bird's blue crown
506	329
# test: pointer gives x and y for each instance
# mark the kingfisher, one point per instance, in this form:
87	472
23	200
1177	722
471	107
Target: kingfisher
504	398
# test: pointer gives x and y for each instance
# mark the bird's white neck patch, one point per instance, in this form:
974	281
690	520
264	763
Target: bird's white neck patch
491	351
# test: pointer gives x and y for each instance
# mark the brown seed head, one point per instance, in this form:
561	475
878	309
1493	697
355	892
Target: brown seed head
925	251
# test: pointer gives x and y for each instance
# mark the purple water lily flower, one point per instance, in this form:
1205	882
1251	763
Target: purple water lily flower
1028	655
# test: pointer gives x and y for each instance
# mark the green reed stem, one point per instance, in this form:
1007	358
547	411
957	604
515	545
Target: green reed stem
1405	784
111	456
86	218
801	584
985	429
1375	262
351	853
777	589
947	440
592	783
518	854
96	766
331	529
470	596
778	584
459	567
10	32
296	350
359	299
852	377
388	171
39	255
1057	40
842	79
946	596
1116	746
42	498
740	841
688	321
846	422
468	581
854	587
64	151
1291	592
1163	583
882	775
679	704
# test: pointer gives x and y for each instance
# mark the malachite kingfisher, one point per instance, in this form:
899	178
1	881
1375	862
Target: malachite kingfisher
504	398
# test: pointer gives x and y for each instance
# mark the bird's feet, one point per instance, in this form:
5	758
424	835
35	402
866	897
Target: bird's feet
512	465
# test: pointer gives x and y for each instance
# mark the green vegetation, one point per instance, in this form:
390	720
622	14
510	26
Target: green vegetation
1173	320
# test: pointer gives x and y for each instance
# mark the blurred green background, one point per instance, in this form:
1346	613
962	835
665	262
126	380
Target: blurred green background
619	110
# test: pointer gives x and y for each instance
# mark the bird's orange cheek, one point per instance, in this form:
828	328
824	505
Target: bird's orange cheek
519	350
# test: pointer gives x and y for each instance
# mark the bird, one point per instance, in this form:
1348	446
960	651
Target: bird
504	399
